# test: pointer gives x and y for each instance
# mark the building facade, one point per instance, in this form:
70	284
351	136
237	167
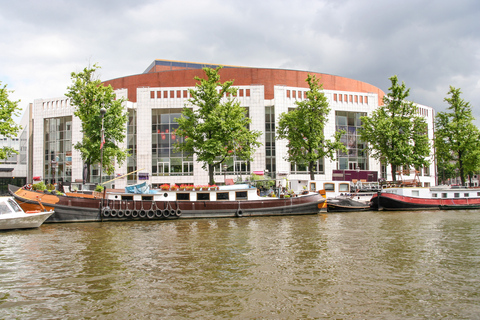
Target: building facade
157	96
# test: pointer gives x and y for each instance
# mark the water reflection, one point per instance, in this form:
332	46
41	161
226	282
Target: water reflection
356	265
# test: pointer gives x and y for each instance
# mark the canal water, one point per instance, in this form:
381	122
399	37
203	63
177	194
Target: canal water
366	265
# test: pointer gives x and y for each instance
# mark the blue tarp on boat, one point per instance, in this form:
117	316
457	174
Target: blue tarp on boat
138	188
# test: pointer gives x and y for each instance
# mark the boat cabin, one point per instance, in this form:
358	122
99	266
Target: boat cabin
223	193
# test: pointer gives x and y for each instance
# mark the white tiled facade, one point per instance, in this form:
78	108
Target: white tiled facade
283	100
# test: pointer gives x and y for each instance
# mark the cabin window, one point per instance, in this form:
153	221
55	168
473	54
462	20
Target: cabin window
222	196
4	208
478	194
313	186
444	195
329	186
434	195
415	193
241	195
183	196
344	187
15	206
127	198
203	196
147	198
456	195
466	195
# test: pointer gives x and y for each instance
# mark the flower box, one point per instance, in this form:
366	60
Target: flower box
165	187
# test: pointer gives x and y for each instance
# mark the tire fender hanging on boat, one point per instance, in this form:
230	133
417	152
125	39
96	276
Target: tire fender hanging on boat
166	213
151	214
106	212
239	211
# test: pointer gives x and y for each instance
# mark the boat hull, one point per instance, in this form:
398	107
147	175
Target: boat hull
346	205
79	209
26	221
390	201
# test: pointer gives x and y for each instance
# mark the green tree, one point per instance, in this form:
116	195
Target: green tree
89	95
8	127
395	133
457	139
216	128
443	154
304	129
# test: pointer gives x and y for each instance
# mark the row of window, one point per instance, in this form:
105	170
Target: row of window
423	111
455	195
56	104
201	196
296	94
350	98
185	94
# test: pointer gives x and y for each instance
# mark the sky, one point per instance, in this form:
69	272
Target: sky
430	45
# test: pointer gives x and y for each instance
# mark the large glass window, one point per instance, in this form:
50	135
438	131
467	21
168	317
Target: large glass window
132	144
58	149
23	147
165	161
303	167
270	161
356	156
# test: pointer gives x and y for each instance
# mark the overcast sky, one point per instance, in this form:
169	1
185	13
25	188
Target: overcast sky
430	45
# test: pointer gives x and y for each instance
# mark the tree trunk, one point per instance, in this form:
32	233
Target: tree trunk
310	169
460	166
87	173
210	174
394	172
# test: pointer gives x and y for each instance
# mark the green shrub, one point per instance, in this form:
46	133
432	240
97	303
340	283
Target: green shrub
98	188
40	186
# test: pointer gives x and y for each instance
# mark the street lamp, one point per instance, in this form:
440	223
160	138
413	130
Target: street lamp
102	114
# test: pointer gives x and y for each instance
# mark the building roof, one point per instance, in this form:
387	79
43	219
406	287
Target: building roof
160	65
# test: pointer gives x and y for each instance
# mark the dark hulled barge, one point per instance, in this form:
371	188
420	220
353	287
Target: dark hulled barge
222	202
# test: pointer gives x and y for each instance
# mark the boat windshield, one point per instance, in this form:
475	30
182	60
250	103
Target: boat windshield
14	205
4	208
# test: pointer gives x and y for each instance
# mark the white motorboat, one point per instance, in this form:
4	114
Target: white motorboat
13	217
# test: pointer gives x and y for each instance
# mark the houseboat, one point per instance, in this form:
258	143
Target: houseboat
174	203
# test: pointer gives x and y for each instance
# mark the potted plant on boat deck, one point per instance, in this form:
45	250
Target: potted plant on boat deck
165	187
189	187
213	187
174	187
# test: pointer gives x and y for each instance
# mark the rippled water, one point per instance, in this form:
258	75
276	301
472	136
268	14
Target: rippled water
369	265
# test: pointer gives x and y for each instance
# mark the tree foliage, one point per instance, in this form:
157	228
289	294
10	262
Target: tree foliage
216	129
8	127
304	129
457	139
395	133
89	95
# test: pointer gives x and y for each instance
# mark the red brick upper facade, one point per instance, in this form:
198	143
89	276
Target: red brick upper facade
178	76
